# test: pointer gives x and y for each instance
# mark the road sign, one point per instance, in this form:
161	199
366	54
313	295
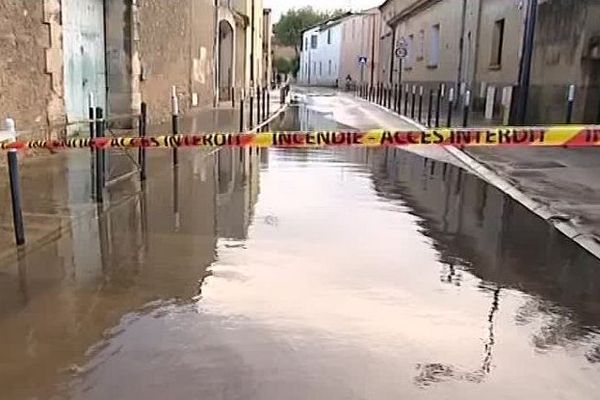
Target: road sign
362	60
401	52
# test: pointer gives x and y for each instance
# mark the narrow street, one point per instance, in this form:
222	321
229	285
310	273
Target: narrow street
302	274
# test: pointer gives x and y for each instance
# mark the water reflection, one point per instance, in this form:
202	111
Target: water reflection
478	230
314	274
154	246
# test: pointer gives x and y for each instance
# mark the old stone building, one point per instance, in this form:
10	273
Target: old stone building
55	53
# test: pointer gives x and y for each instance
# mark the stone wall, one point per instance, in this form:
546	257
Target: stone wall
30	64
563	55
176	48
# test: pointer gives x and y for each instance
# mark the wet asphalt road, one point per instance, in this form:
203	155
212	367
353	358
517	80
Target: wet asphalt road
304	274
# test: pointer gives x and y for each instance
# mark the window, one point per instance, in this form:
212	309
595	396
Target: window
329	36
313	42
421	45
434	47
497	44
329	67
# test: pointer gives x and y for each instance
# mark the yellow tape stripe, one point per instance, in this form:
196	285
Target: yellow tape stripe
568	135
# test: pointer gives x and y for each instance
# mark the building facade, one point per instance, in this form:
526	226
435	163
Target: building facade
478	45
321	53
57	54
360	47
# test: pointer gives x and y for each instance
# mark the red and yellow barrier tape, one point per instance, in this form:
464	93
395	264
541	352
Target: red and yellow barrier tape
567	135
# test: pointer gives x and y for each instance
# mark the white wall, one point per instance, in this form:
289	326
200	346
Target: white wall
315	63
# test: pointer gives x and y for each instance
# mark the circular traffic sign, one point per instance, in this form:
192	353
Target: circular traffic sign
401	52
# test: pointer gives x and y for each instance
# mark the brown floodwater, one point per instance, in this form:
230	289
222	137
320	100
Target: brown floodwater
303	274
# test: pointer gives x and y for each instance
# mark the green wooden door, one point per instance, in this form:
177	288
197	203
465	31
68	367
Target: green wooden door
84	56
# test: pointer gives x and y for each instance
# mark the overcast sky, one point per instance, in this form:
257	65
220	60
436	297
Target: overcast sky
281	6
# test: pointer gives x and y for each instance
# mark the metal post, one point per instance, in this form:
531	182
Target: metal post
92	116
175	121
142	151
450	106
399	99
526	57
268	104
92	127
420	103
438	104
251	113
264	108
232	97
406	95
430	108
466	108
570	103
15	186
99	156
258	94
414	102
242	126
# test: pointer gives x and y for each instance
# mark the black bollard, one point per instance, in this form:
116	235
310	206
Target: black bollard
406	96
242	127
175	122
258	94
395	105
570	103
430	108
232	97
15	196
264	112
92	127
420	104
143	132
399	99
99	156
251	113
413	102
438	105
467	105
268	103
450	106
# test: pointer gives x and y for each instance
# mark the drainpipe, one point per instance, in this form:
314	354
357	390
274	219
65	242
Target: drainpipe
392	56
373	50
216	55
461	43
252	44
526	57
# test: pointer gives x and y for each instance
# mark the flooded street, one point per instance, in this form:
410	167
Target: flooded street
303	274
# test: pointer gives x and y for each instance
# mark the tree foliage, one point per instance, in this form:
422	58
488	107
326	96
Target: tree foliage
283	65
288	31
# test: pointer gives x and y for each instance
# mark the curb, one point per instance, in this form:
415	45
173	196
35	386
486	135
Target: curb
553	217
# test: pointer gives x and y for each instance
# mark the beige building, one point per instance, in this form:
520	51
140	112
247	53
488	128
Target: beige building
478	45
55	53
267	48
360	47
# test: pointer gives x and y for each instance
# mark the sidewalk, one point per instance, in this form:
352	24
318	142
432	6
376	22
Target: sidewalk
560	185
57	188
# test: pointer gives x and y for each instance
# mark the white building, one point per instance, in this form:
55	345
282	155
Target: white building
321	54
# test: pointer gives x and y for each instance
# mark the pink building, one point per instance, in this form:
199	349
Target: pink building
360	47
